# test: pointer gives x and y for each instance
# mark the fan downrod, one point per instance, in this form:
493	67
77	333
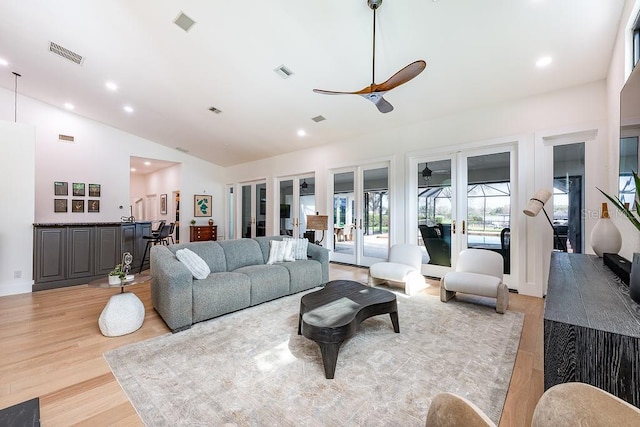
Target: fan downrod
374	4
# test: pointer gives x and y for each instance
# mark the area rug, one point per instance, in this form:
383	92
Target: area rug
252	368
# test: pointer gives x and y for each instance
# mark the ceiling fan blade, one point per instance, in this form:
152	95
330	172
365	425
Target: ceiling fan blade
376	97
331	92
402	76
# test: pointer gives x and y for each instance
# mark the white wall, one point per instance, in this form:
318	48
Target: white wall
100	155
17	179
519	121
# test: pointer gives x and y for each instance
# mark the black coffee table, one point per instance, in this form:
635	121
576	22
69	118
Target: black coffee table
331	315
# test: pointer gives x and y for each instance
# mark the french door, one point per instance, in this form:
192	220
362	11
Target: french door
297	200
253	209
360	214
464	201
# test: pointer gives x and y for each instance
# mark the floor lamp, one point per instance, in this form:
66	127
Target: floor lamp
536	204
317	223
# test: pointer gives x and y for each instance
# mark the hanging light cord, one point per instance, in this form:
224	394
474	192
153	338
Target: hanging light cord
15	102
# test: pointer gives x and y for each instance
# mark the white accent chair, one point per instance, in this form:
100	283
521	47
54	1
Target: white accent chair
403	266
478	272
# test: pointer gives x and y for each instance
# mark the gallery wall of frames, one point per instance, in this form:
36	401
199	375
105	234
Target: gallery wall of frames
81	197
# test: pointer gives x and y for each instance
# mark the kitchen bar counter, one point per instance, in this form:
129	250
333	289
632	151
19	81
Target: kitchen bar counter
67	254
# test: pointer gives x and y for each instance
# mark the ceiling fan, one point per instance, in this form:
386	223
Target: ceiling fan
375	92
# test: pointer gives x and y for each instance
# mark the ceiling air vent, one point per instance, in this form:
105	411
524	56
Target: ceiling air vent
66	53
283	72
215	110
66	138
184	150
183	21
318	119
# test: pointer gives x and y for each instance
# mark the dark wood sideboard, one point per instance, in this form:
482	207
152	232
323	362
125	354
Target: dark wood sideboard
199	233
591	327
73	254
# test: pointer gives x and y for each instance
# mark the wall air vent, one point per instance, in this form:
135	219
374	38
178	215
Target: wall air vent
67	138
66	53
284	72
318	119
183	21
184	150
215	110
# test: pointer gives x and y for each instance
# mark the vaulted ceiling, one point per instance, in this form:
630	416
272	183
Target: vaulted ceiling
477	53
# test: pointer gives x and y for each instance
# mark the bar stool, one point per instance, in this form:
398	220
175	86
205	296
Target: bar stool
154	239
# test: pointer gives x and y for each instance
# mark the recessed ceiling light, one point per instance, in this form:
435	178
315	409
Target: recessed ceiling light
128	109
133	169
147	163
301	132
111	86
543	62
4	62
69	106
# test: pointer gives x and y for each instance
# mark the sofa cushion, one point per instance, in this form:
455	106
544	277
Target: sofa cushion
471	283
267	281
220	293
265	245
303	275
210	252
241	253
194	263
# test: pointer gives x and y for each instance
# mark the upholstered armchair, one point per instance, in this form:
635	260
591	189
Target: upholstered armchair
567	404
404	266
478	272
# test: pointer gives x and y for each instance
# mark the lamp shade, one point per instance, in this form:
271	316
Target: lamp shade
317	222
536	203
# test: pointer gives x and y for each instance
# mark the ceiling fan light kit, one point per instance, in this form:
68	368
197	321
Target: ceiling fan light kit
375	92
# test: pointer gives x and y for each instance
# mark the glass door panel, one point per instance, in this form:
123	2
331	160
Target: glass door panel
286	202
435	212
487	223
297	200
306	204
375	227
344	215
568	197
261	209
253	209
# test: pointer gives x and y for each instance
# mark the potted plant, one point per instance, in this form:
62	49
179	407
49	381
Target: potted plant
117	275
634	280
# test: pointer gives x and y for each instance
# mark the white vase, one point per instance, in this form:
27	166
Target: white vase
114	280
605	236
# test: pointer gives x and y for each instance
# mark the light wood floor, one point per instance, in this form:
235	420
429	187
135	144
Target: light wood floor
51	347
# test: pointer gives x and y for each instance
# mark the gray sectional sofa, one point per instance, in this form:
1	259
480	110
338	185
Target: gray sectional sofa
240	277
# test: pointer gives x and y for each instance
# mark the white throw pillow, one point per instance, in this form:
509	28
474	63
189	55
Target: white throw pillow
299	247
280	251
196	265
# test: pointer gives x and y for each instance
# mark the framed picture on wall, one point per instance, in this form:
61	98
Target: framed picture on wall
60	188
163	204
59	205
77	205
93	206
94	190
202	205
78	189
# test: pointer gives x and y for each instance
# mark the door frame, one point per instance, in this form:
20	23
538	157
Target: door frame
519	169
358	258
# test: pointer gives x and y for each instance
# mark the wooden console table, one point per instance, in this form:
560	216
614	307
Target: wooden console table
591	327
